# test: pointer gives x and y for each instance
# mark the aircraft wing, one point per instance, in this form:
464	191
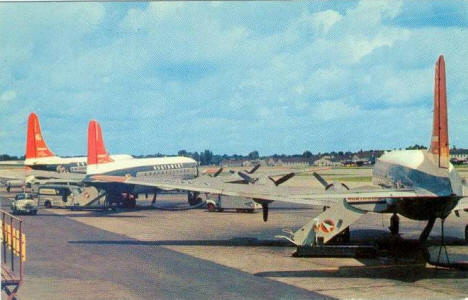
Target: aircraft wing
314	197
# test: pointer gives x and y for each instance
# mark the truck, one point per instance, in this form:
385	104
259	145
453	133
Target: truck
55	195
220	203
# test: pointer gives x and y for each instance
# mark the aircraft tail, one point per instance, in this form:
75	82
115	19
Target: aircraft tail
96	150
439	142
35	144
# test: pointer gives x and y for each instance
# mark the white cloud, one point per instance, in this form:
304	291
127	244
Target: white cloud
182	67
7	97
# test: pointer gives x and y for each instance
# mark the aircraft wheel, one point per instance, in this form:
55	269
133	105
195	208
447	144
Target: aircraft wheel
211	207
132	203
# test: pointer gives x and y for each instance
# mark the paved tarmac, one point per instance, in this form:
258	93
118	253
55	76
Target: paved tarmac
125	269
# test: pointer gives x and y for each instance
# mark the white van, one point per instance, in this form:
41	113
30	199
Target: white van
239	204
57	195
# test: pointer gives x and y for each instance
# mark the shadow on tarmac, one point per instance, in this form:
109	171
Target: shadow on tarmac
405	273
91	215
240	241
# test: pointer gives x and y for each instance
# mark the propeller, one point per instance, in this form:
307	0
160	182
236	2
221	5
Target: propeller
264	204
218	172
246	177
321	180
265	211
255	168
282	179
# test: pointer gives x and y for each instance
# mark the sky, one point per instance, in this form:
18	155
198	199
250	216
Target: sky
232	77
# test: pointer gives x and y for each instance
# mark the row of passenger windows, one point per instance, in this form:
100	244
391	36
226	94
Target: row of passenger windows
159	172
167	167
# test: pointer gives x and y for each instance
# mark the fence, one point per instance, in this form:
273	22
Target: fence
13	253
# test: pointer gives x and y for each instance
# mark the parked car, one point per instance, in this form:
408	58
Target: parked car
24	203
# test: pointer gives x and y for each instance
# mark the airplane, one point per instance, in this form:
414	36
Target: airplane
99	162
41	163
39	157
417	184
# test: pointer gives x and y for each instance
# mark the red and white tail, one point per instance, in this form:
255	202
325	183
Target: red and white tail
439	141
35	144
96	151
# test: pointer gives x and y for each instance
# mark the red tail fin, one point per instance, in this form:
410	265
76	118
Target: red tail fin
35	144
96	151
439	142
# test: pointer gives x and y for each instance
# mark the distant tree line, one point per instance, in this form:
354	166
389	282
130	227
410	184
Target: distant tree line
207	157
10	157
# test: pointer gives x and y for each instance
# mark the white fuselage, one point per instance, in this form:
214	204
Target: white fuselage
176	166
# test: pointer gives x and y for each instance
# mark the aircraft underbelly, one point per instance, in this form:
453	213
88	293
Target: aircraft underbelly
426	208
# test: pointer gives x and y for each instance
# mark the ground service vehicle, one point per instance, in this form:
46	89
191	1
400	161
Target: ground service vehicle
58	195
220	203
24	203
62	182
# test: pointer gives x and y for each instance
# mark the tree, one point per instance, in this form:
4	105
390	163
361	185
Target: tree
307	154
416	147
206	157
196	156
254	155
182	153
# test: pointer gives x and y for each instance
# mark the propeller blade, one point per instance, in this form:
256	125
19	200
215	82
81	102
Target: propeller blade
265	211
218	172
255	168
282	179
320	179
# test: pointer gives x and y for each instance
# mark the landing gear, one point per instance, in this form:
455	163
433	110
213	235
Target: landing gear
194	199
466	233
427	230
342	238
442	242
211	207
153	202
394	224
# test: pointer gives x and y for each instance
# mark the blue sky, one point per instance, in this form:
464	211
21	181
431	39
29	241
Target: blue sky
277	77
